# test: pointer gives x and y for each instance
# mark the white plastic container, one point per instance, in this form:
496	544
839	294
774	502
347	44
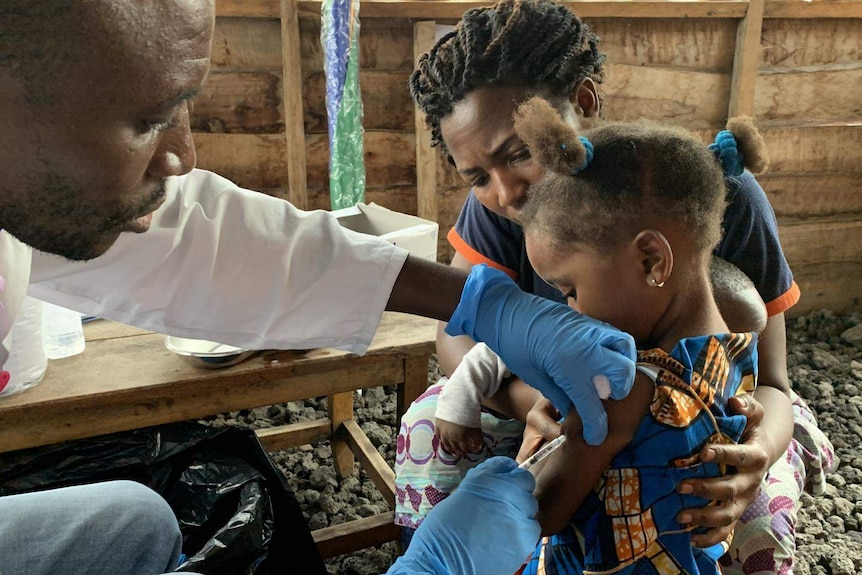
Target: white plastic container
27	361
62	331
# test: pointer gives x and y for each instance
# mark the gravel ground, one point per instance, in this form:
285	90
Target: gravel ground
825	364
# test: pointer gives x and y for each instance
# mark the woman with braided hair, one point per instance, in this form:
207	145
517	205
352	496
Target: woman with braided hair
468	86
622	224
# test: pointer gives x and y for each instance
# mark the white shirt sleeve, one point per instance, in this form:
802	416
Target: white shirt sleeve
478	376
233	266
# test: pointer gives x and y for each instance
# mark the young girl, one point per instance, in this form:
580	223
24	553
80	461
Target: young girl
623	224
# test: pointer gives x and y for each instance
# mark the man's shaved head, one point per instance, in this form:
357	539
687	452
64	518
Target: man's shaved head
42	42
94	116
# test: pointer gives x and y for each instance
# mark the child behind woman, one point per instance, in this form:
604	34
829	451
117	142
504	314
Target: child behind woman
623	224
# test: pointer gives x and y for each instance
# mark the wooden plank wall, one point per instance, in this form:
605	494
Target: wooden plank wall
239	117
808	99
797	66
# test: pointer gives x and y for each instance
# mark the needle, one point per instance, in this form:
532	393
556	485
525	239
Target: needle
543	452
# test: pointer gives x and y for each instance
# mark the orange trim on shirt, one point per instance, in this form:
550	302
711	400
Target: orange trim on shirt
784	302
475	257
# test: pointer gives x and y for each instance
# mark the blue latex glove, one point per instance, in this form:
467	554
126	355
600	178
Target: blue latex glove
485	527
549	345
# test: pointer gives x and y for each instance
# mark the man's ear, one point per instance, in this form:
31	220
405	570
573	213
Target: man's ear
585	98
656	256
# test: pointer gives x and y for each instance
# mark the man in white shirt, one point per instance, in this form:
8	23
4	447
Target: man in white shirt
94	142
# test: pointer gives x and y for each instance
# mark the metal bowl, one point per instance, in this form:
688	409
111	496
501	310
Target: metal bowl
206	354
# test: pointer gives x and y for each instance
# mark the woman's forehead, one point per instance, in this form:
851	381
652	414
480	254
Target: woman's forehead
482	122
481	118
492	102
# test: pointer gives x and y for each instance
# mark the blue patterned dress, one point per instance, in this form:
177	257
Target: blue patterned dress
627	525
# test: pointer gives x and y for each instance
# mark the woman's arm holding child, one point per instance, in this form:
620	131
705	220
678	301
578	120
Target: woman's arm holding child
767	434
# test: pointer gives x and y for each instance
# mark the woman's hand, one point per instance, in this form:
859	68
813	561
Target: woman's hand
458	439
747	462
541	427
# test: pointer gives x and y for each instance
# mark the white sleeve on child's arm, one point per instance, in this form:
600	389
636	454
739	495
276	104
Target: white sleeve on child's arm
479	375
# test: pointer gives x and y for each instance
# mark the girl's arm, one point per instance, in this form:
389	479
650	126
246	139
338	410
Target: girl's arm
514	399
566	478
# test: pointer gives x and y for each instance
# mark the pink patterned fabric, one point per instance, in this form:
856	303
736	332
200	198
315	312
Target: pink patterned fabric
764	538
425	474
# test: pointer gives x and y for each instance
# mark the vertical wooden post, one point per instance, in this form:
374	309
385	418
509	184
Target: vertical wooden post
426	160
340	407
415	383
746	60
294	127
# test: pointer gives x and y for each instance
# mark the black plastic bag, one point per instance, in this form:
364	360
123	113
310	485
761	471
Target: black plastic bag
236	513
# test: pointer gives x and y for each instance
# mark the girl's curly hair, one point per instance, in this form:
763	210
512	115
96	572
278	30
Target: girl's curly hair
640	173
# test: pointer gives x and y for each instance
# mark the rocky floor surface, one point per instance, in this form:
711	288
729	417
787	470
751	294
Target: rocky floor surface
825	366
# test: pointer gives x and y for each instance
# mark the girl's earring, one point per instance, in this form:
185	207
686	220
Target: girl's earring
654	283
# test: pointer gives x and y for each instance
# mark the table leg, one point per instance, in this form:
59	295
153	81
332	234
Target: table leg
341	410
415	382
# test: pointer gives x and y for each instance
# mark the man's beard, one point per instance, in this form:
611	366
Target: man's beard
53	221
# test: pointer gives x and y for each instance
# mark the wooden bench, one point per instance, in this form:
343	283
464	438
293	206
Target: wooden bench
127	379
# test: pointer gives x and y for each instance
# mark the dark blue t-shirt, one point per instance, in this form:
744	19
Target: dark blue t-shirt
750	242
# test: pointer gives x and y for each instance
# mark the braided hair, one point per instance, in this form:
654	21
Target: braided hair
535	43
640	173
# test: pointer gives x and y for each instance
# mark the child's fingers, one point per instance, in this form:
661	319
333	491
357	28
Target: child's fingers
473	441
529	446
457	446
457	439
472	445
448	446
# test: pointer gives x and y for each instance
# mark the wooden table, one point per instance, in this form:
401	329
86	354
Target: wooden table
127	379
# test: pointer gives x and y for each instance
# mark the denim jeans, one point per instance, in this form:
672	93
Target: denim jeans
112	528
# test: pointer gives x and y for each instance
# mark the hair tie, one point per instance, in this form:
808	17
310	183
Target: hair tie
728	153
588	155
